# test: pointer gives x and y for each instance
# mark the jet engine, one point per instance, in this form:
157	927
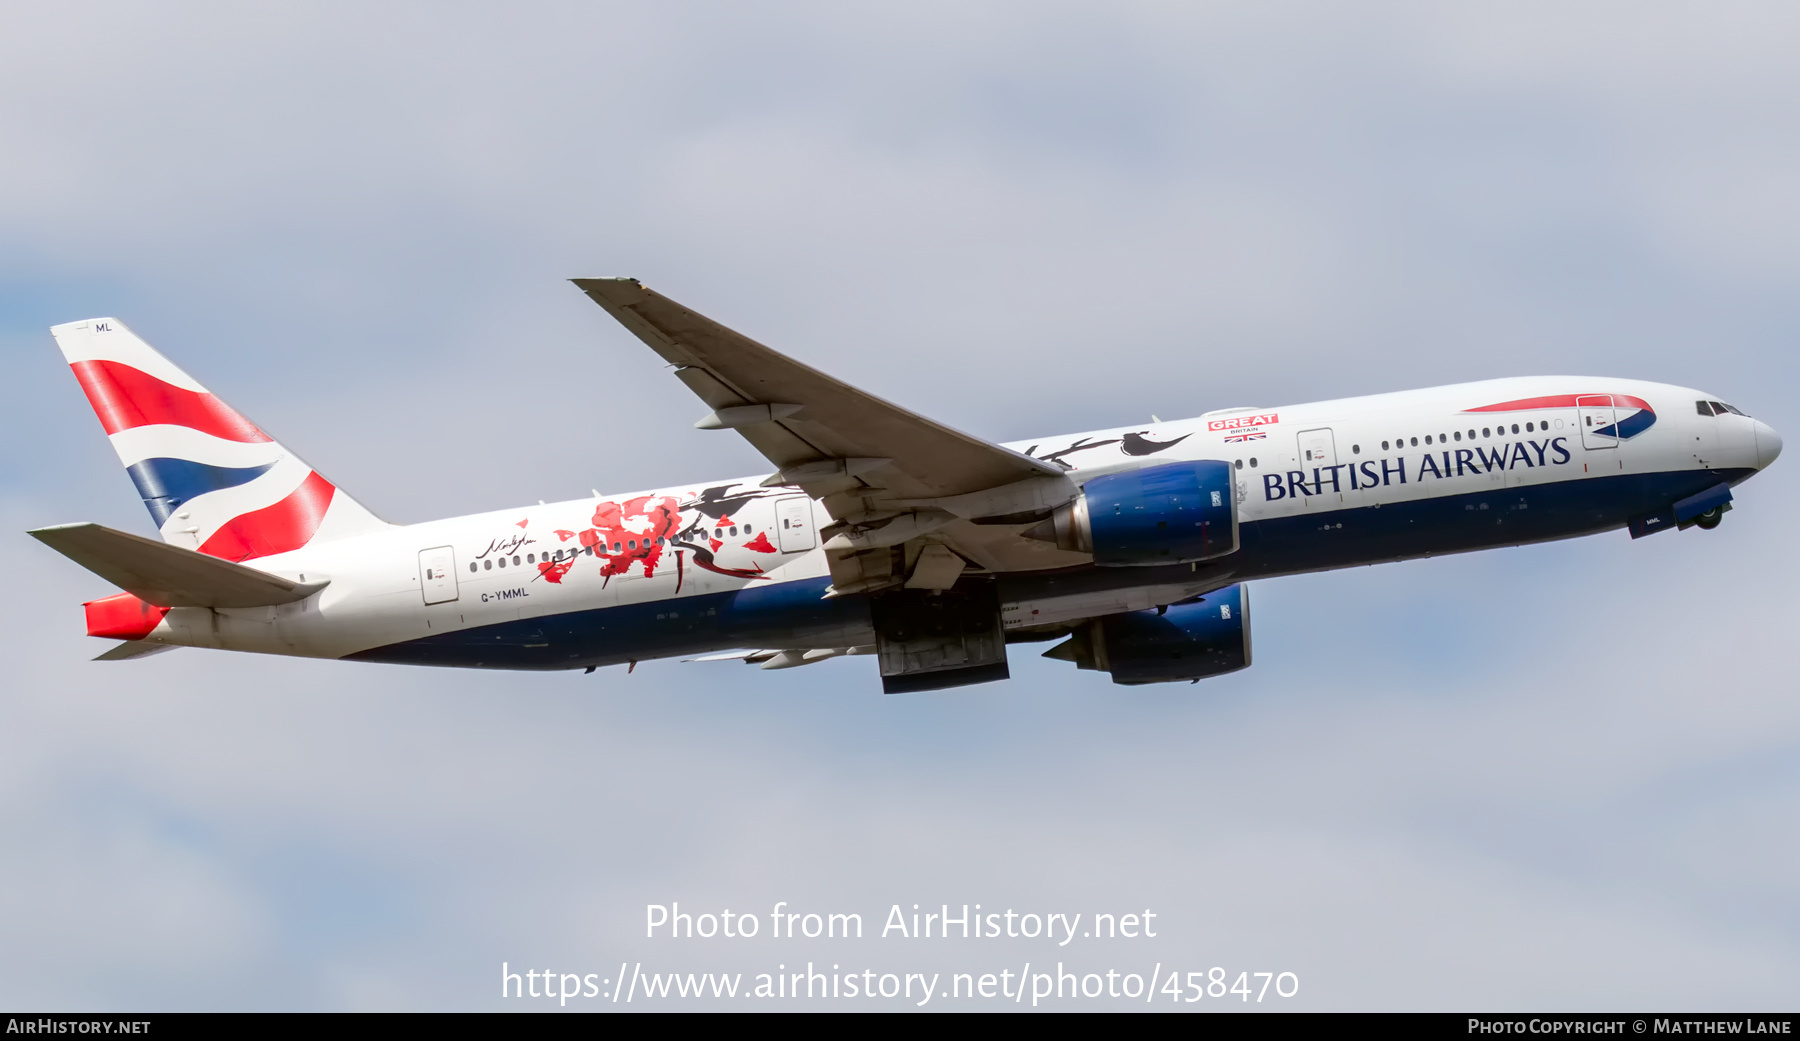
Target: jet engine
1192	640
1175	513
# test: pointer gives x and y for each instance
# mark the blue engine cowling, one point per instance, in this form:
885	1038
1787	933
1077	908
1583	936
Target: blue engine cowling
1175	513
1206	636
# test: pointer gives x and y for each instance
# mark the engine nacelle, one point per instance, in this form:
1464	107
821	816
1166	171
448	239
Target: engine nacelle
1175	513
1208	636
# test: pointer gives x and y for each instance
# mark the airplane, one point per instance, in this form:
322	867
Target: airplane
878	531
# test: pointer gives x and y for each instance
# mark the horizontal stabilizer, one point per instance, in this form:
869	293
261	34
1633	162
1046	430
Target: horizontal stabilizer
133	649
169	576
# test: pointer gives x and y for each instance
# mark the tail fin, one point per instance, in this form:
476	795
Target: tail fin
211	479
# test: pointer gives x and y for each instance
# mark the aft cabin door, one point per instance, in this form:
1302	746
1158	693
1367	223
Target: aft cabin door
793	524
1593	414
437	574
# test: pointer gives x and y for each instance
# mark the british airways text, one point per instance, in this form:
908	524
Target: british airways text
1372	473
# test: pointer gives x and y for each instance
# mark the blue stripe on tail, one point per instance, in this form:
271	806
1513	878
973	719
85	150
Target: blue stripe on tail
167	483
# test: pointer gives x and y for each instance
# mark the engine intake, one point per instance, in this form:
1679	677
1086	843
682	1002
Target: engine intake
1175	513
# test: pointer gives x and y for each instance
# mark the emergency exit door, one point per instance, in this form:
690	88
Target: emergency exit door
1328	485
1317	448
793	524
437	574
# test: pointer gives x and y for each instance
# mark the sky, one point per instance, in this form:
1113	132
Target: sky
1558	777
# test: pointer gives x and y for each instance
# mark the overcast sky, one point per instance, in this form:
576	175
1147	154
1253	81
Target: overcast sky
1556	777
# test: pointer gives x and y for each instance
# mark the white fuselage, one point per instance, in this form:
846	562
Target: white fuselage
1313	463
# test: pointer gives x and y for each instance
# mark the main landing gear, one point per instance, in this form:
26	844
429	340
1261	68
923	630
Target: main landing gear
1710	519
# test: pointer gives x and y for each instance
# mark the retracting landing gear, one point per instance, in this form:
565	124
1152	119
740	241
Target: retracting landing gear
931	640
1703	510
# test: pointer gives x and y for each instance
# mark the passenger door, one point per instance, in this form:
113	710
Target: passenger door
793	524
1594	413
1318	454
437	574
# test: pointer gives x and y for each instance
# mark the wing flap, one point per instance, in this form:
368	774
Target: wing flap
169	576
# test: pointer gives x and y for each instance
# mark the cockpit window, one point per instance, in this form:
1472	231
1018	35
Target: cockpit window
1703	407
1733	410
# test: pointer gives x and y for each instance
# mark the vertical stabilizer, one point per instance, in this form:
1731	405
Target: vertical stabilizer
212	480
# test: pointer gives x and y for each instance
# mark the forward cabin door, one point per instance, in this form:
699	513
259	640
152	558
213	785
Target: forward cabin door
793	524
437	574
1593	414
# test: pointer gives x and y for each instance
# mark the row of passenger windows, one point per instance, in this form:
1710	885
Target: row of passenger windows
532	558
570	554
1444	438
1458	435
561	554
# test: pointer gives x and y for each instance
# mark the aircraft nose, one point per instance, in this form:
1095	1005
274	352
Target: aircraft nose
1768	444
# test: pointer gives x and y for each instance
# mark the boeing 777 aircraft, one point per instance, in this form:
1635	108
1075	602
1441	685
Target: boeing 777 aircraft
879	531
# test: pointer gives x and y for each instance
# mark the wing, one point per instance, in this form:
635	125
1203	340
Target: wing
133	649
889	476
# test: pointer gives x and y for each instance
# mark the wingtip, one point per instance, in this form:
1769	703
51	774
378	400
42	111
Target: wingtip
616	290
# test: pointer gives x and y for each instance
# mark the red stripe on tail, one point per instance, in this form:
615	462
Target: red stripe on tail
124	397
287	525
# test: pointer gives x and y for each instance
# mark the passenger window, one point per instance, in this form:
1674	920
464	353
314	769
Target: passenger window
1485	432
1238	465
734	531
1252	462
1415	442
488	564
1384	446
502	561
1427	438
1515	428
515	560
531	558
474	566
1442	439
1459	435
617	548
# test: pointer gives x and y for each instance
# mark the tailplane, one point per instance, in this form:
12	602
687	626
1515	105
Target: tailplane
211	479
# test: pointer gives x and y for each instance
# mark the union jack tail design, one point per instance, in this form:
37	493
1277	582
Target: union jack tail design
212	480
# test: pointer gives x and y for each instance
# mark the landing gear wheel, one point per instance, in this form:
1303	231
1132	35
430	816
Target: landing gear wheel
1710	519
